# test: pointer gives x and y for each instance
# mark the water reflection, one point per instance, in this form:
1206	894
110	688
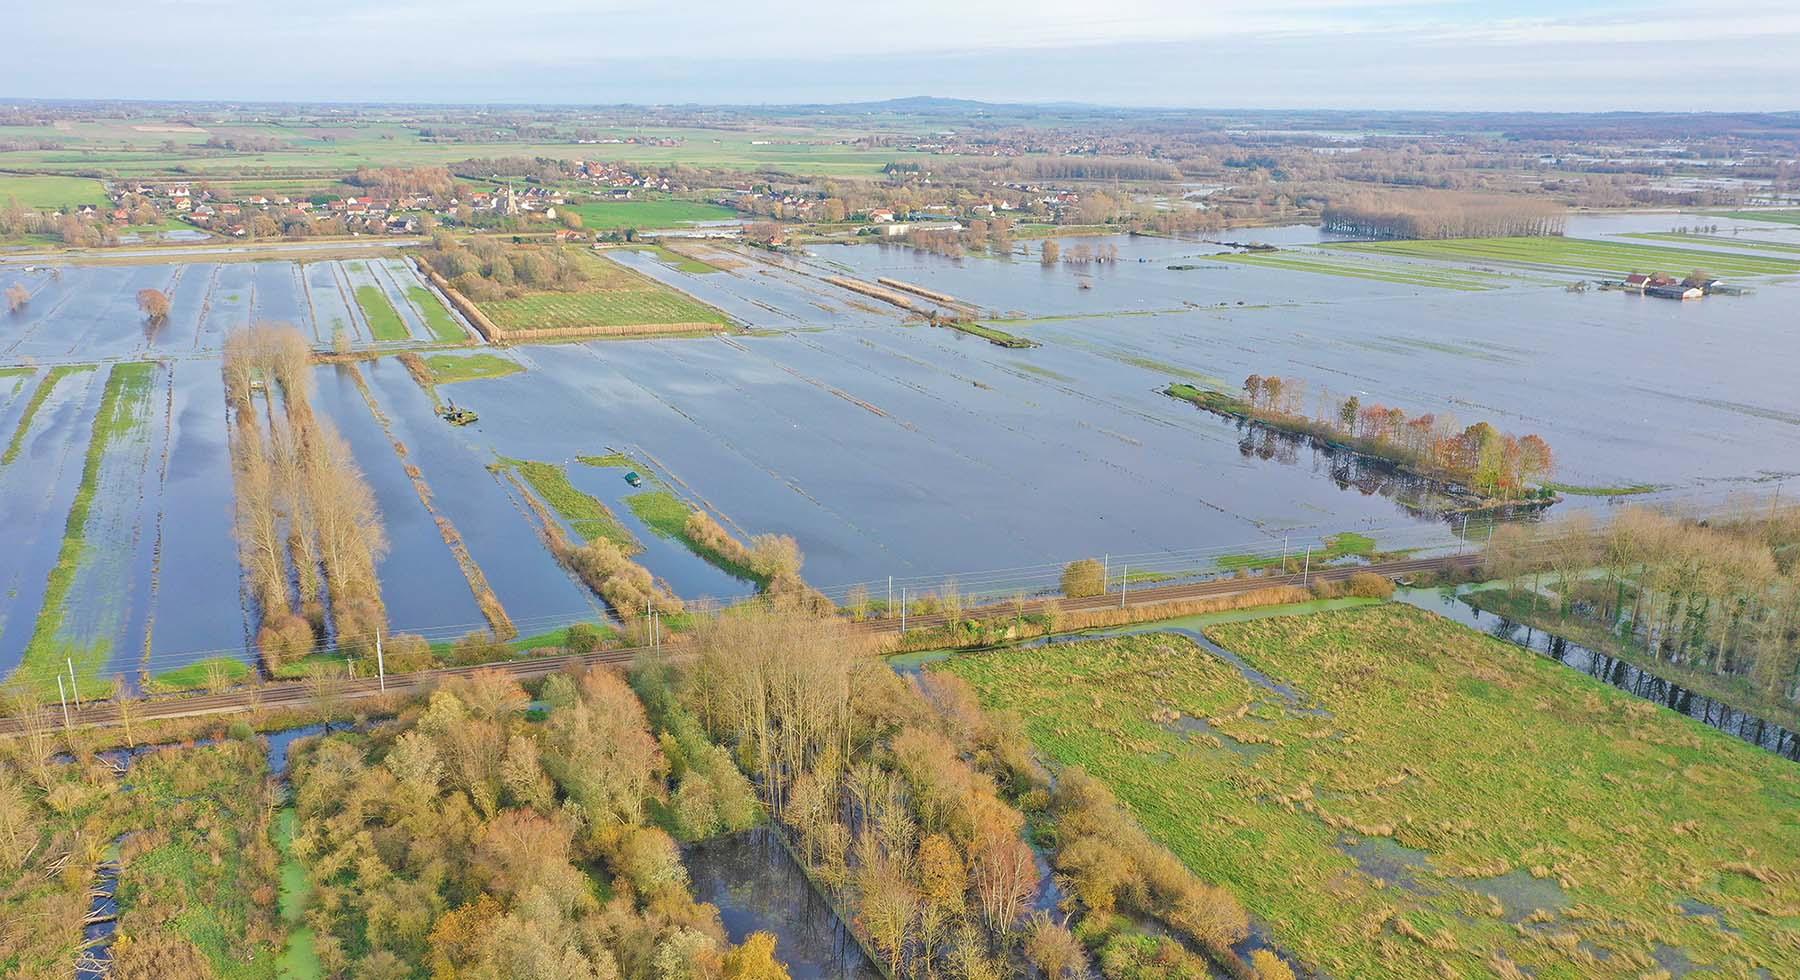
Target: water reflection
1618	673
758	887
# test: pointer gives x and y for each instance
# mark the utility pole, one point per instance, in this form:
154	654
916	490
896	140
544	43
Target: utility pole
1284	552
1306	569
903	609
380	664
63	696
72	685
1124	577
1105	571
890	602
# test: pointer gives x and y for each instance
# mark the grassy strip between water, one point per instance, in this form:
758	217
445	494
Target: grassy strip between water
667	515
1398	274
451	368
437	317
1622	490
668	256
122	407
38	397
384	320
1777	217
586	514
999	338
200	674
618	461
1722	241
1395	795
1610	256
1337	546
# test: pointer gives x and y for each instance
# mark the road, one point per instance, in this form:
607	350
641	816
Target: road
281	694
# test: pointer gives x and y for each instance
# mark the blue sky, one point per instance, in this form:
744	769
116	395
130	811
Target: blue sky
1435	54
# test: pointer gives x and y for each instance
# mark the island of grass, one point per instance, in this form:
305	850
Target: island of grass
451	368
438	320
1604	257
1395	795
1343	545
1397	273
1480	466
669	516
384	321
38	396
586	515
123	407
992	335
1602	490
669	257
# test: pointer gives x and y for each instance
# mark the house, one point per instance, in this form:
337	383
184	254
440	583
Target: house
1637	281
881	215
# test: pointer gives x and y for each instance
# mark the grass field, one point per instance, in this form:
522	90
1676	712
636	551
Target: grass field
1622	490
586	515
201	673
672	258
123	407
1400	274
614	296
664	212
1777	217
1404	797
667	515
437	317
38	396
1722	241
1583	255
51	193
114	145
451	368
384	320
1337	546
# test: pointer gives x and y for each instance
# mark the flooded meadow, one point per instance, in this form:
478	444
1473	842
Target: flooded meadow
885	445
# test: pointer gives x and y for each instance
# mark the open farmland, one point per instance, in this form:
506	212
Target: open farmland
1399	273
654	213
51	193
1610	257
614	299
1396	795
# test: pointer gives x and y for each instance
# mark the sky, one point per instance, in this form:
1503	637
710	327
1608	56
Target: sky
1573	55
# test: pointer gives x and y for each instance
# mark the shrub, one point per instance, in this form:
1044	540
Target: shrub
1369	585
583	638
405	652
285	638
479	647
1083	578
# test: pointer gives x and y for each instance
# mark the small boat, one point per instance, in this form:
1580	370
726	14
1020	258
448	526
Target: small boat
632	477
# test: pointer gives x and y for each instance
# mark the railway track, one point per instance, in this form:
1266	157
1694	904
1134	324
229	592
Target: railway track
281	694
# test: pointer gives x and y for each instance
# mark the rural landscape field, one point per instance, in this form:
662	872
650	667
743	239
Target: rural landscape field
539	510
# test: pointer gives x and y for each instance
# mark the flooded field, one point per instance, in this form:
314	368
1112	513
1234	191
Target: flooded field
885	446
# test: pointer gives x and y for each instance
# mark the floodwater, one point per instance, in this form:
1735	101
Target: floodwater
888	447
758	887
1618	673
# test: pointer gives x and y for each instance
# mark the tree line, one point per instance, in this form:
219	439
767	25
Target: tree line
1720	597
1493	463
1441	214
483	268
308	529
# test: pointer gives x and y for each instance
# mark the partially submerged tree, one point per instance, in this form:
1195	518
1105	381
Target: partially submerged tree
154	303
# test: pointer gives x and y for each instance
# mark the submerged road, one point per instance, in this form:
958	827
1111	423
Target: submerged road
287	694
